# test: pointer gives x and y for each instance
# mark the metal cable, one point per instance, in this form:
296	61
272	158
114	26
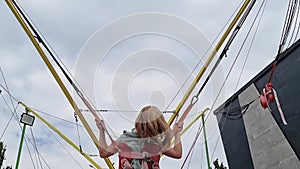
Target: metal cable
261	9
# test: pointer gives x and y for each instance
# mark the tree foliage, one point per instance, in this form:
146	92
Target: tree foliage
2	153
219	166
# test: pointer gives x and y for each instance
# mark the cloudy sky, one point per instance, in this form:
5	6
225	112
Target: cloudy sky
124	55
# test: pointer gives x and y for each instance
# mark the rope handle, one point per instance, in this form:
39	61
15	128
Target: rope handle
188	109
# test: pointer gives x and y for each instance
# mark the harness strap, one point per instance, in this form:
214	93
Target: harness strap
266	99
125	164
132	155
144	165
279	107
268	95
127	158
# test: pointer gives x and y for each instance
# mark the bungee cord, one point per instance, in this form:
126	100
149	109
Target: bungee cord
27	138
243	108
30	154
62	135
65	149
12	115
289	22
261	10
190	159
56	117
12	5
14	111
205	53
60	64
6	126
78	134
10	95
269	94
297	21
225	49
32	141
194	100
285	33
192	145
38	159
293	37
53	55
3	77
123	111
208	61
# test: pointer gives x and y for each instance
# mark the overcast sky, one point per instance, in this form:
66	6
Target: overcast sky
124	55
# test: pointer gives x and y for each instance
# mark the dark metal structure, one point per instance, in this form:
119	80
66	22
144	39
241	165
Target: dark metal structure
257	138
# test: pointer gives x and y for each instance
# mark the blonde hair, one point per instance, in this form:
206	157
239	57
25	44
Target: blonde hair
151	123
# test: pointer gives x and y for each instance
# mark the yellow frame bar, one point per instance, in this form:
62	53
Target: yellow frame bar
192	122
57	78
62	136
208	61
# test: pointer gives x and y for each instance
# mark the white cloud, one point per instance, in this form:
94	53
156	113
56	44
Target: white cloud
67	25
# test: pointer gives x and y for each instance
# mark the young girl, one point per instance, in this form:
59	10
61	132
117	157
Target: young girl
141	148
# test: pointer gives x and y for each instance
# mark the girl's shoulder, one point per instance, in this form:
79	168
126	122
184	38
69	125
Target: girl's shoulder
131	133
129	136
136	143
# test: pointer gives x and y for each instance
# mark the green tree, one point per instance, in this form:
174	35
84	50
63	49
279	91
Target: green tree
218	166
2	153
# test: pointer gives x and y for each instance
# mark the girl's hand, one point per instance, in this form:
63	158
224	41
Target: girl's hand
100	124
178	127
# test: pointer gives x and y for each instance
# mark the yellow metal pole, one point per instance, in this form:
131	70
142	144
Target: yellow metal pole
192	122
208	61
57	78
62	136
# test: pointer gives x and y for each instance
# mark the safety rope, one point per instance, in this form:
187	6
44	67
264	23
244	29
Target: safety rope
285	33
296	20
269	94
78	134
